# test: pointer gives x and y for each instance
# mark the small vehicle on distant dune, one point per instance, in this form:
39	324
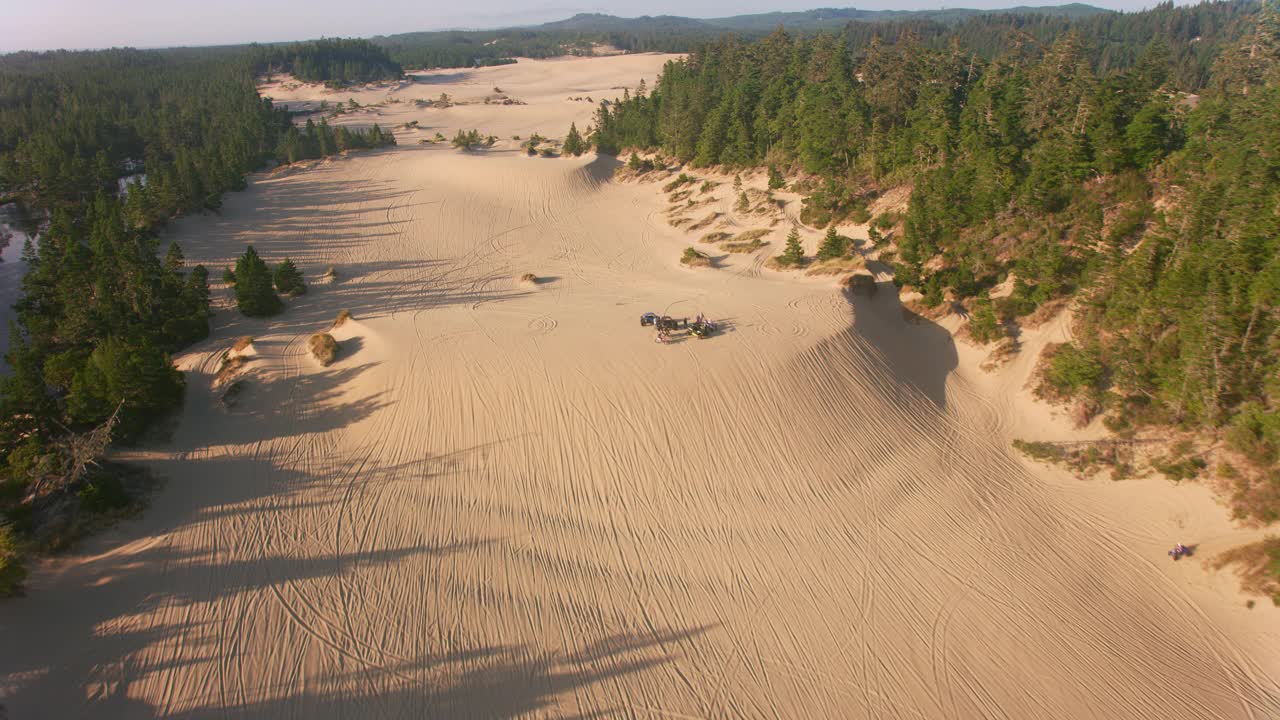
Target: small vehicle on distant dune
666	322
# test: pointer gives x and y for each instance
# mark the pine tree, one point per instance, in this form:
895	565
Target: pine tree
744	202
173	259
573	143
793	253
289	280
833	245
254	294
776	181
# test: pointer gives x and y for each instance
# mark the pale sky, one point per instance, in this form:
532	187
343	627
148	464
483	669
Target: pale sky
76	24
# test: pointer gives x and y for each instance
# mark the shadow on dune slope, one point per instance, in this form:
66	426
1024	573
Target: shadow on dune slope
918	354
154	613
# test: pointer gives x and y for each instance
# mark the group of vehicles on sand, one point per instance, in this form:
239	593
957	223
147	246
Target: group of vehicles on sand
666	326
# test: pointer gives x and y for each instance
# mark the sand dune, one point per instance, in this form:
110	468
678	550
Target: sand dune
505	499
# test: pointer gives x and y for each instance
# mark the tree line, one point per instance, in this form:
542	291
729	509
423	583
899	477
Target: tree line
336	62
1127	179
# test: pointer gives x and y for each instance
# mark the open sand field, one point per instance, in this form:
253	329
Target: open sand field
505	499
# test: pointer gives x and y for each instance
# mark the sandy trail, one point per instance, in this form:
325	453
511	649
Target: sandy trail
506	500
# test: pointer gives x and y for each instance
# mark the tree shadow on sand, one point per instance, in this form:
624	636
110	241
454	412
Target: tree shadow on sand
916	352
149	613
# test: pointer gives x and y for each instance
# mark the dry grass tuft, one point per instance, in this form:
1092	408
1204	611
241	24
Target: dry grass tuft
837	266
323	348
1001	354
693	258
715	237
529	278
231	366
242	343
749	235
743	247
704	222
343	317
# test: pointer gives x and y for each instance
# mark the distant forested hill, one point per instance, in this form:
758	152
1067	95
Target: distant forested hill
1193	33
663	33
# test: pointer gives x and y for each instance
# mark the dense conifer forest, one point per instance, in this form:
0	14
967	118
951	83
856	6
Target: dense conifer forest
1139	175
334	62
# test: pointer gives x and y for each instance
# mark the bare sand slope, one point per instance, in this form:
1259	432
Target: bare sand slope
506	500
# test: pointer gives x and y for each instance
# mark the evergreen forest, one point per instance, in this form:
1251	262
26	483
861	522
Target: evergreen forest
335	62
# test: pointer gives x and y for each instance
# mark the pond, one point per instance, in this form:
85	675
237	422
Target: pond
13	236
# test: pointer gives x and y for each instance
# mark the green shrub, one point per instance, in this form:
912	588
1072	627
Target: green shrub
984	325
103	493
1255	433
1039	450
886	220
1073	370
12	572
1179	469
681	179
469	140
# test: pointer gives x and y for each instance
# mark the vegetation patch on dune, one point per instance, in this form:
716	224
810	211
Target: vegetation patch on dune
836	266
739	248
323	348
1257	564
704	222
472	139
715	237
12	570
681	179
693	258
1001	354
343	317
752	235
230	366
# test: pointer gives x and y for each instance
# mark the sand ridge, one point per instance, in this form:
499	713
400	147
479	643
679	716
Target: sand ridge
505	499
